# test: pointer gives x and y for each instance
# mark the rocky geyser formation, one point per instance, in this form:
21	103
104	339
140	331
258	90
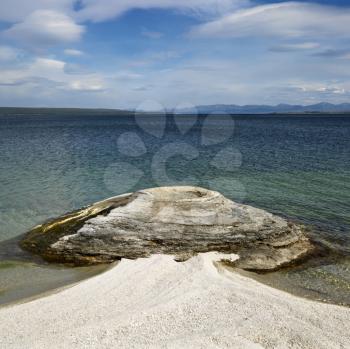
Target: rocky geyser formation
181	221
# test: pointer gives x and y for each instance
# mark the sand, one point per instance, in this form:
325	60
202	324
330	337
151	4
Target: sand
159	303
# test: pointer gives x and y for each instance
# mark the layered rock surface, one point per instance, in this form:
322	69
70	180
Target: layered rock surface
181	221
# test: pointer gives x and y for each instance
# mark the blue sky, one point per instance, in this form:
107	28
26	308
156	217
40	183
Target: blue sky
173	53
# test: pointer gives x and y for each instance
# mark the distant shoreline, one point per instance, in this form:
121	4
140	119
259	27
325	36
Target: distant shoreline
22	111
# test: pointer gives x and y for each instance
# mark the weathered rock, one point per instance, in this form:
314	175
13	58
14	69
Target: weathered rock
173	220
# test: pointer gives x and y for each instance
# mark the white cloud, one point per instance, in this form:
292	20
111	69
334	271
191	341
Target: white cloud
91	84
47	72
328	89
40	68
45	28
50	69
286	20
73	52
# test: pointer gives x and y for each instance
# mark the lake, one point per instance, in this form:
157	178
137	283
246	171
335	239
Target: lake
297	166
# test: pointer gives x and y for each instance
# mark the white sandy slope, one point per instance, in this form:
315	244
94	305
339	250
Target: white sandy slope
158	303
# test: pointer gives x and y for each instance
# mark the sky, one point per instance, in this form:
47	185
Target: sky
153	54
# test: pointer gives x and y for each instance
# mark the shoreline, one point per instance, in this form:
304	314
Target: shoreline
24	281
269	279
277	281
157	302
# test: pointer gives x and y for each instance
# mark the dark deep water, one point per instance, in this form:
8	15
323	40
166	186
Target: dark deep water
296	166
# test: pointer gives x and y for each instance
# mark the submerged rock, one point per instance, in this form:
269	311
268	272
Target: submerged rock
181	221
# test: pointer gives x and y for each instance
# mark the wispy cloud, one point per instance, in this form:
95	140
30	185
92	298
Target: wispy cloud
285	20
303	46
73	52
100	10
323	89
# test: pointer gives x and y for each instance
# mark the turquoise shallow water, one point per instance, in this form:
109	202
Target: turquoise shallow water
296	166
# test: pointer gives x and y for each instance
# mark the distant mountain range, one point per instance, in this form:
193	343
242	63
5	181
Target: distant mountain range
268	109
201	109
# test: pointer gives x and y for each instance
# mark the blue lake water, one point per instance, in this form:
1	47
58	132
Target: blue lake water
296	166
